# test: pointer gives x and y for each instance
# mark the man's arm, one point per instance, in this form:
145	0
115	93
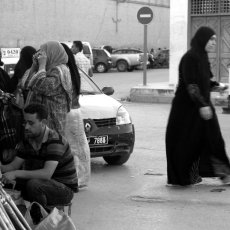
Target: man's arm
14	165
45	173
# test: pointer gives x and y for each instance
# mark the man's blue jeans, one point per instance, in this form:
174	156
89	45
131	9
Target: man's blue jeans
45	192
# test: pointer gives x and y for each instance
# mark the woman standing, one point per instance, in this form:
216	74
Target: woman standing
193	130
74	131
24	63
49	83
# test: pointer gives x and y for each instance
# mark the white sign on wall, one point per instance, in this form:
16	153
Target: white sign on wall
10	52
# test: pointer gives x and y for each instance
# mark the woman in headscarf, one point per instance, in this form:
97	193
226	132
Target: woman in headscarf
193	131
75	132
49	82
24	63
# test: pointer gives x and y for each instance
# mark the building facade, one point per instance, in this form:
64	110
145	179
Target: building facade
186	16
101	22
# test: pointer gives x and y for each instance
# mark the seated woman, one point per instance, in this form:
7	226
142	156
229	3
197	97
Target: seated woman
48	82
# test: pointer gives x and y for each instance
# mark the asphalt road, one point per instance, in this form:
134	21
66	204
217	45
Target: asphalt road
123	82
134	196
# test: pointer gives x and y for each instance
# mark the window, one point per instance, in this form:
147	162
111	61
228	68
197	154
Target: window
86	49
225	6
207	7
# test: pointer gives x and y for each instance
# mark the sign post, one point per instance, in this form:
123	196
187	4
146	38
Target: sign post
145	16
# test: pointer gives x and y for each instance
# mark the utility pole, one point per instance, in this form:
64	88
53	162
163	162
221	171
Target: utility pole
117	20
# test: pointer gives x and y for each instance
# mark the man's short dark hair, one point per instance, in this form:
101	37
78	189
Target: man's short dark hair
79	45
39	109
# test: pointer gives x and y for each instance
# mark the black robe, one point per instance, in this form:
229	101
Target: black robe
5	83
189	138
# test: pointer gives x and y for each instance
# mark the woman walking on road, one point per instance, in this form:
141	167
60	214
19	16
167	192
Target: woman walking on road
193	130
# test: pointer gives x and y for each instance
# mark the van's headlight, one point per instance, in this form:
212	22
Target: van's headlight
122	116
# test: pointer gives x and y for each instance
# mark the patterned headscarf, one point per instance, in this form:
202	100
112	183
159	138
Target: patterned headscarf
56	54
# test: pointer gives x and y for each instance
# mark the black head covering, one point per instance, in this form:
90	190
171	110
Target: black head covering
26	55
75	76
201	37
24	63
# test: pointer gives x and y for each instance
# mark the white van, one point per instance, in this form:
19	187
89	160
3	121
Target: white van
10	57
87	50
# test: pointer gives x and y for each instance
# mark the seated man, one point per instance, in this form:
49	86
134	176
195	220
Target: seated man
48	175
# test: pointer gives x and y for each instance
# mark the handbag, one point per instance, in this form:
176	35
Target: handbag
57	220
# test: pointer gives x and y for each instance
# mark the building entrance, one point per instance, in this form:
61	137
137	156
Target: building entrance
215	14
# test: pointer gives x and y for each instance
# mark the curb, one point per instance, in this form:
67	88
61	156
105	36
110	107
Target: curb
164	94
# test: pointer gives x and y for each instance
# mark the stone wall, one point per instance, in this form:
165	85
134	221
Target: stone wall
101	22
178	36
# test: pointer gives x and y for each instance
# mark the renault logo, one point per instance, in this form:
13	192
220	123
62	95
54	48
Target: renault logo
87	127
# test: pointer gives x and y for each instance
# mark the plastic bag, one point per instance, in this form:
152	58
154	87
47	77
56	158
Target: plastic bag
29	216
57	220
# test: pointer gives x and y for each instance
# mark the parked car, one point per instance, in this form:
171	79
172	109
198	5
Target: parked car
126	61
108	48
101	60
138	51
129	51
108	126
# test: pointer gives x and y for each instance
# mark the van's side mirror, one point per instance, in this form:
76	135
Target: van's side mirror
108	90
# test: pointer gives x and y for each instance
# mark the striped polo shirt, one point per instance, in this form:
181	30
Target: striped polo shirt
54	147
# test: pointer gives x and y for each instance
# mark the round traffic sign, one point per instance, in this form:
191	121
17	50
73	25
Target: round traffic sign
145	15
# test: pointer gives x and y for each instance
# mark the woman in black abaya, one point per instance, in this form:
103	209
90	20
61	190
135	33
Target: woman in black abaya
193	131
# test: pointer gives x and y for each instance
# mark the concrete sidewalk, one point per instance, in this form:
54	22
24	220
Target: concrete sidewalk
135	196
163	92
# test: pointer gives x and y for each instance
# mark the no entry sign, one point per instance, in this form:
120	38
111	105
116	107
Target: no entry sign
145	15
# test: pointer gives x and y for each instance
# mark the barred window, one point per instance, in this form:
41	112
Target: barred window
225	6
207	7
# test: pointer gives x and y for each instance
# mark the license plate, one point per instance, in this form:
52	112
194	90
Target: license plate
98	140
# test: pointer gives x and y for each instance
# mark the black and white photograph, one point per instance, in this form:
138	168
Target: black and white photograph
115	114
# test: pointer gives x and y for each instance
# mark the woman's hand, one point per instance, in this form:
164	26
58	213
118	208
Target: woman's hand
34	66
222	86
206	112
42	59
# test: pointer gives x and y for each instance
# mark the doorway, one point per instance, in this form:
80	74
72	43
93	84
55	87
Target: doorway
215	14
